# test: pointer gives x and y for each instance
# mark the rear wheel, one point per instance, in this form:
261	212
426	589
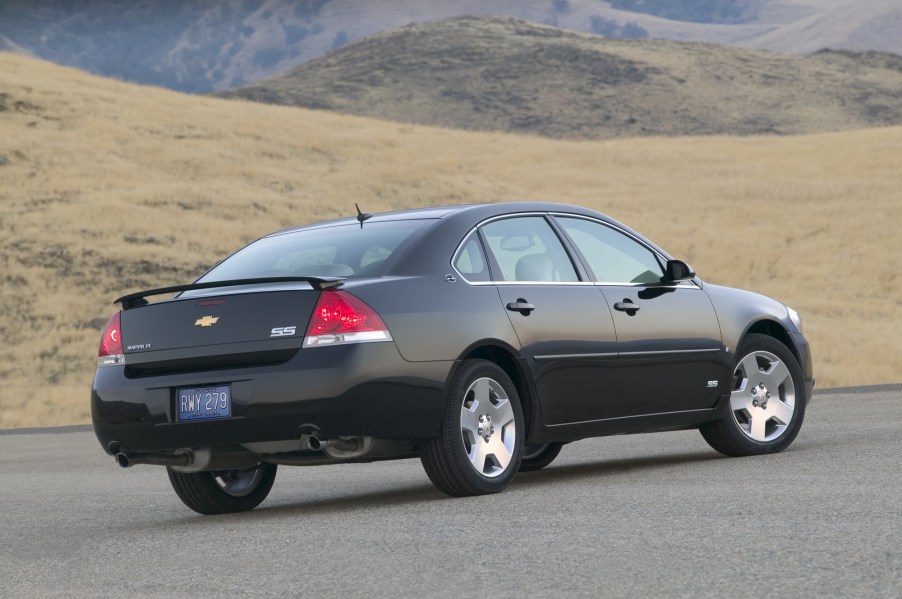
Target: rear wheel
767	403
478	447
224	491
537	456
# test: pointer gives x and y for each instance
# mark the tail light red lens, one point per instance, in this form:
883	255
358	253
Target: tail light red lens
339	317
110	352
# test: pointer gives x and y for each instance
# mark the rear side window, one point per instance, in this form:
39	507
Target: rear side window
528	250
612	256
470	261
340	251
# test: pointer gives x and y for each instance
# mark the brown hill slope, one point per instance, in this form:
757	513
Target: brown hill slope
510	75
107	187
211	46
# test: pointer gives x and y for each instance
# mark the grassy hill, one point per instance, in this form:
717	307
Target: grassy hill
504	74
205	46
108	187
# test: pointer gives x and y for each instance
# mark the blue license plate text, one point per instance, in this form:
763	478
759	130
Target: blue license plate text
203	403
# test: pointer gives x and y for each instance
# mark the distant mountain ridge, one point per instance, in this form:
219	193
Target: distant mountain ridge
206	46
505	74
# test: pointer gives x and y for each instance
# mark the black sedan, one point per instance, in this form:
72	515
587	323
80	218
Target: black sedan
477	338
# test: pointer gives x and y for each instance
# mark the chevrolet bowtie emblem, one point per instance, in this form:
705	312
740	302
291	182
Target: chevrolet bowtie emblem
206	321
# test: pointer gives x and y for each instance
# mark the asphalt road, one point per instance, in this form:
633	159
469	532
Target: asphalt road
638	516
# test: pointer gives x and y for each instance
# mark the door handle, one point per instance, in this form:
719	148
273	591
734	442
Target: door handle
627	306
521	306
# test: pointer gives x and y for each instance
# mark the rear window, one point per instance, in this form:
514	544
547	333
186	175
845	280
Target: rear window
340	251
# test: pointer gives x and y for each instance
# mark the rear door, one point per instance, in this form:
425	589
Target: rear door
669	341
565	328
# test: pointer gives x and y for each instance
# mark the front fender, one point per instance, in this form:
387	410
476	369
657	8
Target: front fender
741	312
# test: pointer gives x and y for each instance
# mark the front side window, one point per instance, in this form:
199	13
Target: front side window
527	250
612	256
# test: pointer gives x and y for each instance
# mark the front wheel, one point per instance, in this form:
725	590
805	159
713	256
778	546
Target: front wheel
224	491
767	402
478	447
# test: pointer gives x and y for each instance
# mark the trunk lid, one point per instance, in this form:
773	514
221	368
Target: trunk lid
226	330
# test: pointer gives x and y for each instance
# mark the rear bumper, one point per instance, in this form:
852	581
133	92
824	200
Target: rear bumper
363	389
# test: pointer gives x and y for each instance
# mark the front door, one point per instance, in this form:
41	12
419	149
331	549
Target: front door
671	354
669	341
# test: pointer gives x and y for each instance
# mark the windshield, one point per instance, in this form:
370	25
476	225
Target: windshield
340	251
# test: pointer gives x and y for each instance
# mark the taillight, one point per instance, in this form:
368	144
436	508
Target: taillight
110	352
339	317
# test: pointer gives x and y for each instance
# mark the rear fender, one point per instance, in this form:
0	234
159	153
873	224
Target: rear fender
514	364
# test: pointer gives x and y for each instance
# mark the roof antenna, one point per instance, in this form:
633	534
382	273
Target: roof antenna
362	216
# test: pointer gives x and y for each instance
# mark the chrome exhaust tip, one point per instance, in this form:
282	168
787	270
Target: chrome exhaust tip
156	459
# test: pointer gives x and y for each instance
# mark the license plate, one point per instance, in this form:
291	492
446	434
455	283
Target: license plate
203	403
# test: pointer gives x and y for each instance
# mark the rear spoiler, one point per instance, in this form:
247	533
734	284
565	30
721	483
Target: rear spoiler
133	300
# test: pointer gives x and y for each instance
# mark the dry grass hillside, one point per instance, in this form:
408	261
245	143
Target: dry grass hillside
107	187
505	74
205	46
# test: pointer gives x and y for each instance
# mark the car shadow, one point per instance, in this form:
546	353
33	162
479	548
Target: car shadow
603	468
426	492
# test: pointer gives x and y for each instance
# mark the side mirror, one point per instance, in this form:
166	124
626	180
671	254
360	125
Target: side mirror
677	270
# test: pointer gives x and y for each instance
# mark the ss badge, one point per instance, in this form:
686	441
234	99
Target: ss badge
282	331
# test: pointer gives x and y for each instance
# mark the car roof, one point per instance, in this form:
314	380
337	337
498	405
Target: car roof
477	211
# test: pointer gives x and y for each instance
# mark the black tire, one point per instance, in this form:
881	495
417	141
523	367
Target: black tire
223	491
765	372
458	461
539	455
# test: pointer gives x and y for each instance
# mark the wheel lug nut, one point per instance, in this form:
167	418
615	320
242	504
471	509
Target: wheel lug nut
768	395
479	431
755	403
492	430
482	419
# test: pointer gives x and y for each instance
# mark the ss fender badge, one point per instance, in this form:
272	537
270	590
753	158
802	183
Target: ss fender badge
283	331
712	384
206	321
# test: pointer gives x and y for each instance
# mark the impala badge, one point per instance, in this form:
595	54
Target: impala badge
206	321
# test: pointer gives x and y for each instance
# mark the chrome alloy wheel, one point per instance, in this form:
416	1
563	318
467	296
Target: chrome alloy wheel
764	396
239	483
488	428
